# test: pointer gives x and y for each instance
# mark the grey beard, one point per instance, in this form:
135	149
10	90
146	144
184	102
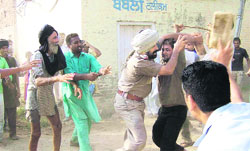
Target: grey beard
53	48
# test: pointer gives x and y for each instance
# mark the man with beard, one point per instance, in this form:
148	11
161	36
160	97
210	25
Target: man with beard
135	83
82	110
173	111
40	98
11	93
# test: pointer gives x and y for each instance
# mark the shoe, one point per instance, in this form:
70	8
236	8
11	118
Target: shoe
14	137
179	148
73	143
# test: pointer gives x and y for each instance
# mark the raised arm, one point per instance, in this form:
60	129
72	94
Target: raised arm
178	28
179	46
188	37
198	44
97	51
224	56
197	38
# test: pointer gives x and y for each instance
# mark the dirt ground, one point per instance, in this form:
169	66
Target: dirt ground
105	136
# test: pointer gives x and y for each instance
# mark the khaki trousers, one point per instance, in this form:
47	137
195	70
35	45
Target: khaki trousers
132	112
238	77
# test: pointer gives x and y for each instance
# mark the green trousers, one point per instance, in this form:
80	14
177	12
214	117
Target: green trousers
81	133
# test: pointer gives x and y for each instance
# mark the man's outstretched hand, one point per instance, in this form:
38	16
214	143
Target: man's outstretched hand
29	65
105	71
66	77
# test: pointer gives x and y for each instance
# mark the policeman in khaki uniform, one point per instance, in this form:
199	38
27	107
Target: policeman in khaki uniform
136	83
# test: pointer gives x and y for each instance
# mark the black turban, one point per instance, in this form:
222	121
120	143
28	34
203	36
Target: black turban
46	31
4	42
59	62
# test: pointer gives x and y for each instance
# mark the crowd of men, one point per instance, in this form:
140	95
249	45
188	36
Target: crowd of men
205	88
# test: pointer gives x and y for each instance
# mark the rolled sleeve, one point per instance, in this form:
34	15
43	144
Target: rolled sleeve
37	71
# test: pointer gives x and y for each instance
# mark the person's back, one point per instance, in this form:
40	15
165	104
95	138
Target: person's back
229	129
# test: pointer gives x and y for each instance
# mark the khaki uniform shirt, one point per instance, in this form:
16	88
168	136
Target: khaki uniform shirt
170	86
136	77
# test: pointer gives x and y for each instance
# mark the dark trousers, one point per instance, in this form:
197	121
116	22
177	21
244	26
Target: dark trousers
10	115
167	127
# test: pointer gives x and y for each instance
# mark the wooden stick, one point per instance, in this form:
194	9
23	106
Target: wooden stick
197	27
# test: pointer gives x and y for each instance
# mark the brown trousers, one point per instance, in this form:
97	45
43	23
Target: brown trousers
10	115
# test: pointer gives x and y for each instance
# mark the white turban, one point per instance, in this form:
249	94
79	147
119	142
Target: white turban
145	40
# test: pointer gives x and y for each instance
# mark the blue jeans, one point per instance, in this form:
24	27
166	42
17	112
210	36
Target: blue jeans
92	88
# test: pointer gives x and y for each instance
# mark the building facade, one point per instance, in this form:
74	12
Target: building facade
111	24
8	25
